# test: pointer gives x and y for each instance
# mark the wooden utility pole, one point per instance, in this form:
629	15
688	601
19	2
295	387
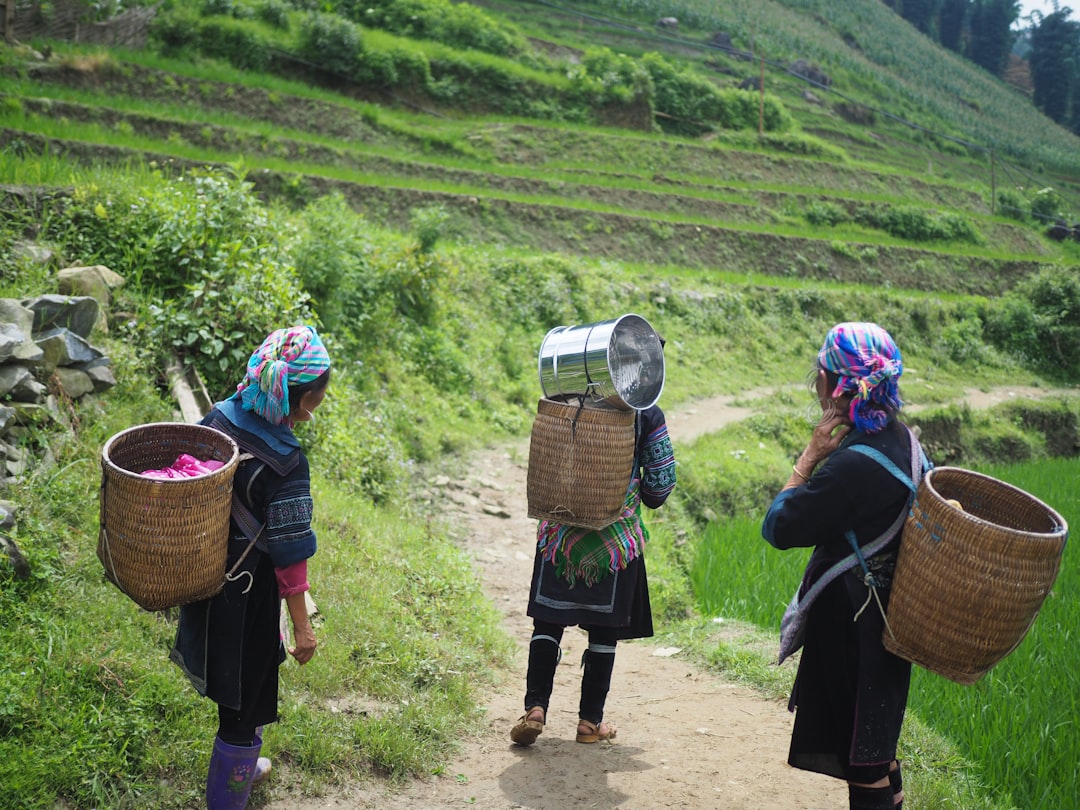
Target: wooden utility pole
8	19
993	183
761	100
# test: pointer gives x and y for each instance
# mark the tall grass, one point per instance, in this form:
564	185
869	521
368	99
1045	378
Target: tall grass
1020	723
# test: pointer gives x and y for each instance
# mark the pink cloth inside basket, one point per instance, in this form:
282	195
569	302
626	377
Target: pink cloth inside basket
186	466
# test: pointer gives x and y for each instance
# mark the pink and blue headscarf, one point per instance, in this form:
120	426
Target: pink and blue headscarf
288	357
868	363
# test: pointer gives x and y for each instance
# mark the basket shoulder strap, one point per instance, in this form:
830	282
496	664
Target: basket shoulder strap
886	462
250	525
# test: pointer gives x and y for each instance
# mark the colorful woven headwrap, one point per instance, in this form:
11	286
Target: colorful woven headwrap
287	357
868	363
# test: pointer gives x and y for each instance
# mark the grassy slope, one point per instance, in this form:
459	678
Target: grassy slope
693	215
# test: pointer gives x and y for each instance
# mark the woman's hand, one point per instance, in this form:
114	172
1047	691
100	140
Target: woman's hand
304	642
827	435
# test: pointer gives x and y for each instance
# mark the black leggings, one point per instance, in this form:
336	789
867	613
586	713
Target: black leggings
234	731
598	661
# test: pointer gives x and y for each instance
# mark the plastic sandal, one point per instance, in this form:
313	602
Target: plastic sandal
594	734
526	731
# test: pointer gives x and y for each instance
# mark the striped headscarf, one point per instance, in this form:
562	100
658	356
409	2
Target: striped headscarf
868	363
288	357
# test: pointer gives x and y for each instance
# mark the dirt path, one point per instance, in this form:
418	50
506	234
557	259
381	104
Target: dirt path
687	739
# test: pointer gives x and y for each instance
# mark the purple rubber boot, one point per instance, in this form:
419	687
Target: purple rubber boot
262	766
228	782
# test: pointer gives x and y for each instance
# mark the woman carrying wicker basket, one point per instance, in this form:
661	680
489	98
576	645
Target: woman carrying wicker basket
594	579
843	500
230	645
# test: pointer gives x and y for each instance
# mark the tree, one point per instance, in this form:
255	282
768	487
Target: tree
1053	47
951	21
991	33
922	14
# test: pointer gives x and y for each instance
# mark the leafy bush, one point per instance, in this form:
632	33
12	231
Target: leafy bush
459	25
698	105
206	247
1047	204
1039	320
917	224
275	13
235	42
331	42
427	224
1012	204
394	67
826	213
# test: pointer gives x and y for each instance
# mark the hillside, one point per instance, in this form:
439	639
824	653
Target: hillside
870	200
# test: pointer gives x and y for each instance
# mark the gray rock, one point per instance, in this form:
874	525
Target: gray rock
74	382
28	390
101	376
7	514
76	313
96	282
11	337
7	416
12	375
34	254
15	558
63	347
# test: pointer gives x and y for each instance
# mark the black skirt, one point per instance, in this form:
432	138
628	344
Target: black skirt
229	646
619	601
850	692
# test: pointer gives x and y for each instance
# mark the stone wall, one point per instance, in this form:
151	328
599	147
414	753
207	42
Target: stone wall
46	359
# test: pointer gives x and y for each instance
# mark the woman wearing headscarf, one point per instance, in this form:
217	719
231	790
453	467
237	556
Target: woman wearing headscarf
847	497
594	579
230	645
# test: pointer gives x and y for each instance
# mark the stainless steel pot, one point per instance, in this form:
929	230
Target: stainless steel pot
620	362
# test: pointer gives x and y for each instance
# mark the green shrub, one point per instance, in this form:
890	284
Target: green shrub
459	25
1039	320
331	42
275	13
427	224
1012	204
235	42
207	248
1047	204
393	67
917	224
826	213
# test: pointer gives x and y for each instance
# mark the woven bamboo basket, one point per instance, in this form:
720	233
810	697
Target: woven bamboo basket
581	460
163	542
970	581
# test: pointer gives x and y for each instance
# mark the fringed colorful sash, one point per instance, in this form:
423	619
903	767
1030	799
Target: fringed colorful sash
590	555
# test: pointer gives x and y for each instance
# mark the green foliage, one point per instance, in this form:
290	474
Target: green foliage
1039	320
1047	204
207	248
459	25
331	42
1012	204
275	13
234	41
826	213
917	224
697	104
428	223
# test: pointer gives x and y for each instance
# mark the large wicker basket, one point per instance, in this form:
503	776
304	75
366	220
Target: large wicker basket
581	460
163	542
971	580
